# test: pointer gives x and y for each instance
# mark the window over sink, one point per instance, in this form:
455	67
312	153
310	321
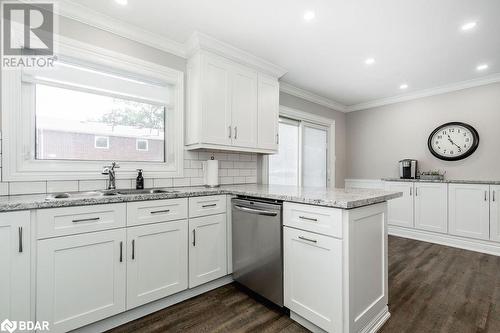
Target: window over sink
93	107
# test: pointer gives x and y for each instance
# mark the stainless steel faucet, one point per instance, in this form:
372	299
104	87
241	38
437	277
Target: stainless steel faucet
110	170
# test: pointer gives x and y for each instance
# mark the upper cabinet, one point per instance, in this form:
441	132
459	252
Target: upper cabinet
232	99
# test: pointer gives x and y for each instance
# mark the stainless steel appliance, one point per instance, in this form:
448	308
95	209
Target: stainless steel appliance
257	247
408	169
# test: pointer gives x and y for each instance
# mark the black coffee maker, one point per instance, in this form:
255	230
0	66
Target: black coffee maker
408	169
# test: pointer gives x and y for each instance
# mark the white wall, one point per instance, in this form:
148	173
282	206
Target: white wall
378	138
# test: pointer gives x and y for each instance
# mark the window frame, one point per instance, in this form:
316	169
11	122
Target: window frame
18	146
307	119
97	137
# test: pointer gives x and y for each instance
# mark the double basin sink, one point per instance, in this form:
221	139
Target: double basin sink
104	193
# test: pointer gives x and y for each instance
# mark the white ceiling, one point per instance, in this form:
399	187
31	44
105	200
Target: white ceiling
418	42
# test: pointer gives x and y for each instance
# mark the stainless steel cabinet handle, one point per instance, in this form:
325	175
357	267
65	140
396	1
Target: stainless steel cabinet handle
308	218
121	251
255	211
160	211
494	196
133	249
235	132
411	191
308	239
230	132
20	239
277	138
485	195
210	205
416	191
194	237
87	220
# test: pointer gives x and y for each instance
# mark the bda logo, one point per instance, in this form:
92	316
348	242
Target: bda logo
8	326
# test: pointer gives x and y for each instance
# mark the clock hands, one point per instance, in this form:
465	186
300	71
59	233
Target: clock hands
453	143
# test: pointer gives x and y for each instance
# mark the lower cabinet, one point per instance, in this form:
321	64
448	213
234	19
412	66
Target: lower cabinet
400	210
431	202
469	210
15	266
81	278
495	213
207	249
313	277
157	264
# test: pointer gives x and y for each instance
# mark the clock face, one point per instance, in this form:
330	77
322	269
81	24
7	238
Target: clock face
453	141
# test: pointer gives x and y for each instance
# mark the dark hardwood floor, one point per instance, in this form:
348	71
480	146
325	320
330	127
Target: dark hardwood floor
432	288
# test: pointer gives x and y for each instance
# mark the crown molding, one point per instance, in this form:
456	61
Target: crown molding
78	12
201	41
494	78
311	97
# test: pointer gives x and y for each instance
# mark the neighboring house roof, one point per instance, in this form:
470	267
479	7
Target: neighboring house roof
97	128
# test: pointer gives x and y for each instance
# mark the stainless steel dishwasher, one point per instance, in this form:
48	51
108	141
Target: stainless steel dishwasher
257	247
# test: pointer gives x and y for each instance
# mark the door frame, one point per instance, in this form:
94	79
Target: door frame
309	118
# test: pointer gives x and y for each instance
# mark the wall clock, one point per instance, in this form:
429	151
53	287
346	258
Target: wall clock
453	141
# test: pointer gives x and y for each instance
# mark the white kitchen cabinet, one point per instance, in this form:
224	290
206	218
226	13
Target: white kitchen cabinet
81	279
313	277
494	213
224	104
207	249
400	210
468	210
244	107
157	261
268	114
15	265
431	206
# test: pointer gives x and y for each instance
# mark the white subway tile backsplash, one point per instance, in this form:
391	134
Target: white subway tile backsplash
226	164
239	180
190	155
188	173
233	172
27	187
195	164
62	186
226	180
245	157
125	183
4	188
234	157
163	182
251	180
181	182
91	185
197	181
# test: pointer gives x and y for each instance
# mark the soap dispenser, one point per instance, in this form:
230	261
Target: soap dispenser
139	182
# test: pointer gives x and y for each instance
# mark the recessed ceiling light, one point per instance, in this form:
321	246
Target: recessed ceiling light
482	67
403	86
469	26
370	61
122	2
309	15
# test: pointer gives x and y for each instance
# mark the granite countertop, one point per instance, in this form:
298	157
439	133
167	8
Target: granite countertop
336	198
448	181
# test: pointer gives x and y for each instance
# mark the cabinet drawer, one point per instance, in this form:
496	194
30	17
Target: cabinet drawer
210	205
74	220
144	212
322	220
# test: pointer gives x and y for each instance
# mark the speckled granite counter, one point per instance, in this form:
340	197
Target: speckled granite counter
337	198
450	181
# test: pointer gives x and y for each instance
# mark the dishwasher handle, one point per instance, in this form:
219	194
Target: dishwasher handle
255	211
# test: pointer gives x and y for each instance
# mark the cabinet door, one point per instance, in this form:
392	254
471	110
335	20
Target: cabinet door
207	249
431	207
80	279
268	114
400	210
468	210
15	266
495	213
313	277
157	264
216	106
244	107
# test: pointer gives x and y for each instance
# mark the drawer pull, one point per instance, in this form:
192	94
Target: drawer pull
308	239
87	220
20	239
194	237
494	196
160	211
308	218
485	195
207	206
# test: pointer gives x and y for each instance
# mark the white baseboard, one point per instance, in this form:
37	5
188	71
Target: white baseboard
364	183
377	322
448	240
306	323
136	313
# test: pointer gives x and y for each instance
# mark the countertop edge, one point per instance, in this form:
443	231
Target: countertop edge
445	181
